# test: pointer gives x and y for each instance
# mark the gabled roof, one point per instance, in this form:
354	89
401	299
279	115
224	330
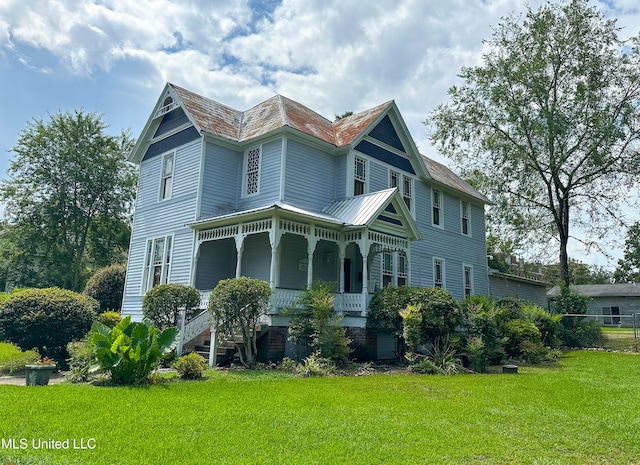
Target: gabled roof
602	290
219	120
363	210
445	176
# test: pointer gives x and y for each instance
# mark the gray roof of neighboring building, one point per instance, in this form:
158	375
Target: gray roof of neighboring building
602	290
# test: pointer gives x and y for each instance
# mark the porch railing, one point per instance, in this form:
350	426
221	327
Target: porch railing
345	304
194	327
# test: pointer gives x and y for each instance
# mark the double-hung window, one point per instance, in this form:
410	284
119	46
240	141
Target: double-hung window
405	189
468	281
157	261
387	269
436	201
252	172
464	214
166	183
359	176
402	269
438	272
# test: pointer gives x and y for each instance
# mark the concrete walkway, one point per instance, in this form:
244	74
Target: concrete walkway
19	380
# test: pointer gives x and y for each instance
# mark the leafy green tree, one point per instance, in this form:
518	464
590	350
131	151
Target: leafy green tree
579	273
107	287
68	200
628	270
237	305
549	124
162	303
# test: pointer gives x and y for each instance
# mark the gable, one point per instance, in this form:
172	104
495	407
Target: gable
385	132
385	156
171	121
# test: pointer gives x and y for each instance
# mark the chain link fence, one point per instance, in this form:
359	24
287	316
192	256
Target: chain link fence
610	332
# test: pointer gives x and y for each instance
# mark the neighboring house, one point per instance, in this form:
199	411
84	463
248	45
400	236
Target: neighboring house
282	194
525	286
612	304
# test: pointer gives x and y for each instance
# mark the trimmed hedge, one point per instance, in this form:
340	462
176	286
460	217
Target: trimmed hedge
47	319
107	287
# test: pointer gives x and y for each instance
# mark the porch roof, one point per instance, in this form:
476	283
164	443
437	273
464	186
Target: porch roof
352	212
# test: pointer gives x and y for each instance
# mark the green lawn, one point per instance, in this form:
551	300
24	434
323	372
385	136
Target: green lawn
584	410
619	338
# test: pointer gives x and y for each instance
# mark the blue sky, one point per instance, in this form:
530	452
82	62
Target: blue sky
113	57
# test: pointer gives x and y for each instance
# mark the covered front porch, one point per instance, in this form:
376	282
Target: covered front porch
291	248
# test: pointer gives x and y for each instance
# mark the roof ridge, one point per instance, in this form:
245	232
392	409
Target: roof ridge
283	111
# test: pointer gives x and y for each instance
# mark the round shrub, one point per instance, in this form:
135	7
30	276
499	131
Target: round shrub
47	319
110	319
107	286
162	304
191	366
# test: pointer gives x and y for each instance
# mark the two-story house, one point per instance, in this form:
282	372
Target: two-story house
283	194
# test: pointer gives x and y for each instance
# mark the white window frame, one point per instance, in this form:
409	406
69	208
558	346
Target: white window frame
465	218
442	281
148	281
440	223
388	272
357	178
402	271
253	171
407	191
167	179
467	286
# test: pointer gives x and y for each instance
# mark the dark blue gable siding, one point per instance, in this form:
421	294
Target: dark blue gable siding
385	156
180	138
170	121
385	132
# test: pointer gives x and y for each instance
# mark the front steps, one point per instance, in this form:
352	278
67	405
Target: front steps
226	352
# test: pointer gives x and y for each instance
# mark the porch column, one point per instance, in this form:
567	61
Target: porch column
364	246
239	248
274	239
342	249
312	241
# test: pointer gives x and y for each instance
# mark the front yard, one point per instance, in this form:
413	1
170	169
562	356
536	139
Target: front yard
583	410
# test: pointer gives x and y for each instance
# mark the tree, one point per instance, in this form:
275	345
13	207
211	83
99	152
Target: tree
628	270
549	124
162	303
579	273
107	287
237	305
68	198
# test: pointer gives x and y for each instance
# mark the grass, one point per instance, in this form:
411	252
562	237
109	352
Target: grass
584	410
619	339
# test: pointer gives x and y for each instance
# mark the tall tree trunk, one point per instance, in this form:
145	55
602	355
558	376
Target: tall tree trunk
563	232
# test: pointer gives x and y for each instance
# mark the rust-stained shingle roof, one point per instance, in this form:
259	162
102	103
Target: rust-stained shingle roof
278	111
444	175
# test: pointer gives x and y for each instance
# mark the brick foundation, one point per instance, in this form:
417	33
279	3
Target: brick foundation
363	343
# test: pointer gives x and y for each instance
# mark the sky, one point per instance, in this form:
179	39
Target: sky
113	57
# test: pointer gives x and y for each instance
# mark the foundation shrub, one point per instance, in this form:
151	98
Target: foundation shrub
191	366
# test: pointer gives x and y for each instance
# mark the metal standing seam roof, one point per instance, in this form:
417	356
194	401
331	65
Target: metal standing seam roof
359	210
602	290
